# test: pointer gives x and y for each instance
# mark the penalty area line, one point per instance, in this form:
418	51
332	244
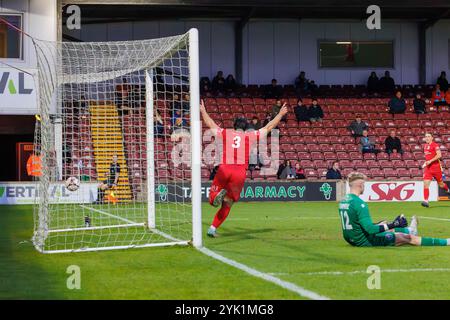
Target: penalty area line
265	276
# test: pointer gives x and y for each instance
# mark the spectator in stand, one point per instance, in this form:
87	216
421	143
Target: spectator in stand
357	127
273	90
386	83
334	173
397	104
419	104
447	97
218	83
276	109
315	112
205	91
255	124
267	120
301	111
438	97
186	104
299	171
372	83
281	169
301	83
367	144
288	172
230	84
122	97
178	121
176	104
393	144
442	81
159	124
205	81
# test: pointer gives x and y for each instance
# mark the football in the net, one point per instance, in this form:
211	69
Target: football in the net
72	184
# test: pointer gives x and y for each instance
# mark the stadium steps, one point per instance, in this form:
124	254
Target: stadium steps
107	140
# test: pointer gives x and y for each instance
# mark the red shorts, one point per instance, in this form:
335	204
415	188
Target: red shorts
231	178
432	172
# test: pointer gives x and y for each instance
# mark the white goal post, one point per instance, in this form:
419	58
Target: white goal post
123	118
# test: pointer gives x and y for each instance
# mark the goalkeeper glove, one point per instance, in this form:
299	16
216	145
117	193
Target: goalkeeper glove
399	222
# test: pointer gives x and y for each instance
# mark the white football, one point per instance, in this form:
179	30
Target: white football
72	184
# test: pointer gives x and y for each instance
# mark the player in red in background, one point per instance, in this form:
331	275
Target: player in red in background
230	177
432	168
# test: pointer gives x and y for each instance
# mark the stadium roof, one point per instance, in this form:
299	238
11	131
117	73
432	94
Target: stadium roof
95	11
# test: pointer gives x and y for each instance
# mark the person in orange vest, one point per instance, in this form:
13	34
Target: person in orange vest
110	183
447	97
34	165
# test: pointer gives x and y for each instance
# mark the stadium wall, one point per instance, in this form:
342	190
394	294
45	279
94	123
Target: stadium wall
438	50
281	48
39	20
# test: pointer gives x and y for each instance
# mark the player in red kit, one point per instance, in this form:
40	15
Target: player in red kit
431	168
230	177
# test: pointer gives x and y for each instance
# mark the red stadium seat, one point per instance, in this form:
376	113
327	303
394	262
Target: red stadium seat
342	155
344	163
403	173
395	156
304	156
326	147
382	156
356	155
398	164
329	156
369	156
390	173
313	147
416	173
311	174
316	155
377	174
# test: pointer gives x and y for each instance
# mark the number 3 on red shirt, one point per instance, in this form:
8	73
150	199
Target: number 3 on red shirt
236	142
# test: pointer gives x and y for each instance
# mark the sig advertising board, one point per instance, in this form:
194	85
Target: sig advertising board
256	191
25	193
397	191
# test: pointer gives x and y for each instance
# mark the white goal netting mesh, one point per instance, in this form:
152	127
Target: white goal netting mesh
93	136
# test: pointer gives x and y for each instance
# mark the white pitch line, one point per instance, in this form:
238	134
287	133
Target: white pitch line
433	218
163	234
339	273
265	276
107	214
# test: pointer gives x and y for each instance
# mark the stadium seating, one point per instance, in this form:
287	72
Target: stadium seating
317	145
314	145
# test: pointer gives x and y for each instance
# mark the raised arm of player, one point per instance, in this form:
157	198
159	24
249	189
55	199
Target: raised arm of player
207	119
274	122
437	157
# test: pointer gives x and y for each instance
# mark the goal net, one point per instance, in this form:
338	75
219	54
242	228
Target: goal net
118	144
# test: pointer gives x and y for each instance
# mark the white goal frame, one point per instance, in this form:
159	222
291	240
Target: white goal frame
196	144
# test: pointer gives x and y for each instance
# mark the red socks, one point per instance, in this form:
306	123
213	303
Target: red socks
426	193
445	187
221	215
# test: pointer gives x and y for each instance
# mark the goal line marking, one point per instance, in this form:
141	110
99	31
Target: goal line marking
340	273
108	214
265	276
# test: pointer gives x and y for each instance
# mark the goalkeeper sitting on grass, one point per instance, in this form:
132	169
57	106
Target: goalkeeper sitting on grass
360	231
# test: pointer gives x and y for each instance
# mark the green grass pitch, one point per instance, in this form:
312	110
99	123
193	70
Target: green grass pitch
296	242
